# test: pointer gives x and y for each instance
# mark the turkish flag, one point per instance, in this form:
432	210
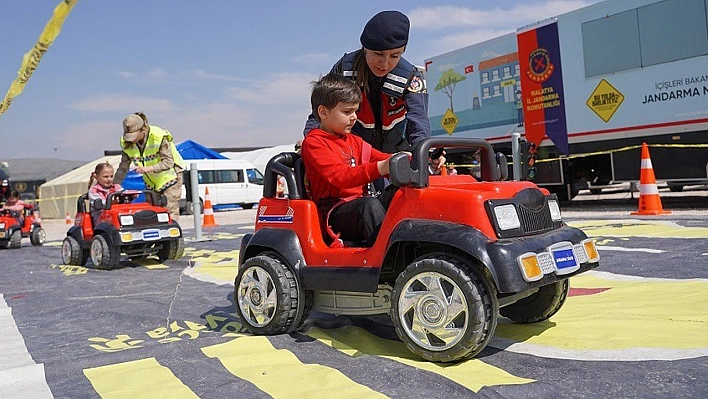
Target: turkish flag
469	69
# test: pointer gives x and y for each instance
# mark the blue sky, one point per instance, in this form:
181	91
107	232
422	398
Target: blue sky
222	73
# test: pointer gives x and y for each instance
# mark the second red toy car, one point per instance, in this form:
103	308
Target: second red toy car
16	225
137	230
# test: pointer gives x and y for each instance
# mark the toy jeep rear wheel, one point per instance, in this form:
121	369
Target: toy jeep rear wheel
103	255
539	306
71	252
38	236
443	309
267	297
16	239
171	250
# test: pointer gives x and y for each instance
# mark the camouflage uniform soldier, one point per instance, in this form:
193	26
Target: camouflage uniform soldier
150	149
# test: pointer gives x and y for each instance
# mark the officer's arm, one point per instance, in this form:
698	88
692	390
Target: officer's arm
418	123
122	168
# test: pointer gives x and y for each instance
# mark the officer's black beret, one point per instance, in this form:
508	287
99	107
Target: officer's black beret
385	31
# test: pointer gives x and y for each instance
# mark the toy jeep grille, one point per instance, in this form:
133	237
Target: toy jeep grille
532	210
535	221
145	218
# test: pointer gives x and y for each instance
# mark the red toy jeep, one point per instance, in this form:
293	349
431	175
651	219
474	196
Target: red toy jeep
11	232
136	229
452	254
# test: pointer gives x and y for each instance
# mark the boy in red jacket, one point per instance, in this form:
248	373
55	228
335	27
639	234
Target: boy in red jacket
339	165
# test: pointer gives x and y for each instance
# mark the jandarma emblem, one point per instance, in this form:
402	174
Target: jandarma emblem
540	67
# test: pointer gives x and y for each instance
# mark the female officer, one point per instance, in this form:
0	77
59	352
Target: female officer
393	115
152	153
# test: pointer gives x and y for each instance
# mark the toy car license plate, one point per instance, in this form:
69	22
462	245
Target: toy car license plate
564	258
149	235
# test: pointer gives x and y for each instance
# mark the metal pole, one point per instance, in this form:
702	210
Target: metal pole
516	155
196	206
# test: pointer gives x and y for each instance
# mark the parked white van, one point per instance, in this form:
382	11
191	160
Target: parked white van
230	181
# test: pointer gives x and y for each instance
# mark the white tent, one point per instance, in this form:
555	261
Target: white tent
58	196
259	158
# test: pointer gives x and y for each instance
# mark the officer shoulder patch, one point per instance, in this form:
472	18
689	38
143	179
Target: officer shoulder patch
416	85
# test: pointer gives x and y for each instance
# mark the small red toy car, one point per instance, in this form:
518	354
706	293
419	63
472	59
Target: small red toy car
11	232
136	229
452	254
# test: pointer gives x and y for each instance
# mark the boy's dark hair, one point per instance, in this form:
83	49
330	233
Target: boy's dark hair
332	89
14	194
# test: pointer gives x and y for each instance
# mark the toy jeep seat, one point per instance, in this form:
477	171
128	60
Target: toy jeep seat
299	168
291	166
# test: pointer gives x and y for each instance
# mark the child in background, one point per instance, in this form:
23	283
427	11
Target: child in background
103	175
15	205
338	166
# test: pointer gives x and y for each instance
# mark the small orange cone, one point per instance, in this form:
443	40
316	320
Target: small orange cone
649	200
68	219
208	211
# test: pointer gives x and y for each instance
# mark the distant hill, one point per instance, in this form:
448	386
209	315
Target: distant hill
39	168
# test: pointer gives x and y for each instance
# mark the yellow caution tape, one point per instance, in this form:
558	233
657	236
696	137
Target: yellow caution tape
627	148
31	59
451	165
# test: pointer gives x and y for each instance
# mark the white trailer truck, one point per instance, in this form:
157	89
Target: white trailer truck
588	88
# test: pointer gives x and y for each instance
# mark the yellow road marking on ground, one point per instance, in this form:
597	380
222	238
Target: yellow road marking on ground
144	378
632	313
218	267
472	374
280	374
639	228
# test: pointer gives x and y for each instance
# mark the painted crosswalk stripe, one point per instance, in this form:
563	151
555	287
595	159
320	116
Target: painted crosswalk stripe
145	378
280	374
20	376
472	374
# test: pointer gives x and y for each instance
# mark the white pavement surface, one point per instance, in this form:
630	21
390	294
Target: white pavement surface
20	376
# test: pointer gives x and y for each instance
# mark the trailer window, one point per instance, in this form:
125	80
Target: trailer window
672	30
611	44
666	31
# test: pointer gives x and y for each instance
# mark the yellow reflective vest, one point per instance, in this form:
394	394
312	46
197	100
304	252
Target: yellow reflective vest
150	155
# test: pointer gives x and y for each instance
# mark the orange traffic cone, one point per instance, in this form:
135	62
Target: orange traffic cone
208	211
68	219
649	200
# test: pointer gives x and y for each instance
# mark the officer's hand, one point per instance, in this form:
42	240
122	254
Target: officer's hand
438	163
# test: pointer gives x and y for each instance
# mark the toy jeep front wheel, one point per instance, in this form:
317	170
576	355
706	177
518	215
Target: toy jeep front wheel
103	256
71	252
16	239
539	306
171	250
442	309
38	236
267	297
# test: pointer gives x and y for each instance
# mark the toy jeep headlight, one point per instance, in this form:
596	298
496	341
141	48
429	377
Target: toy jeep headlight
163	217
2	225
555	210
507	217
126	220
